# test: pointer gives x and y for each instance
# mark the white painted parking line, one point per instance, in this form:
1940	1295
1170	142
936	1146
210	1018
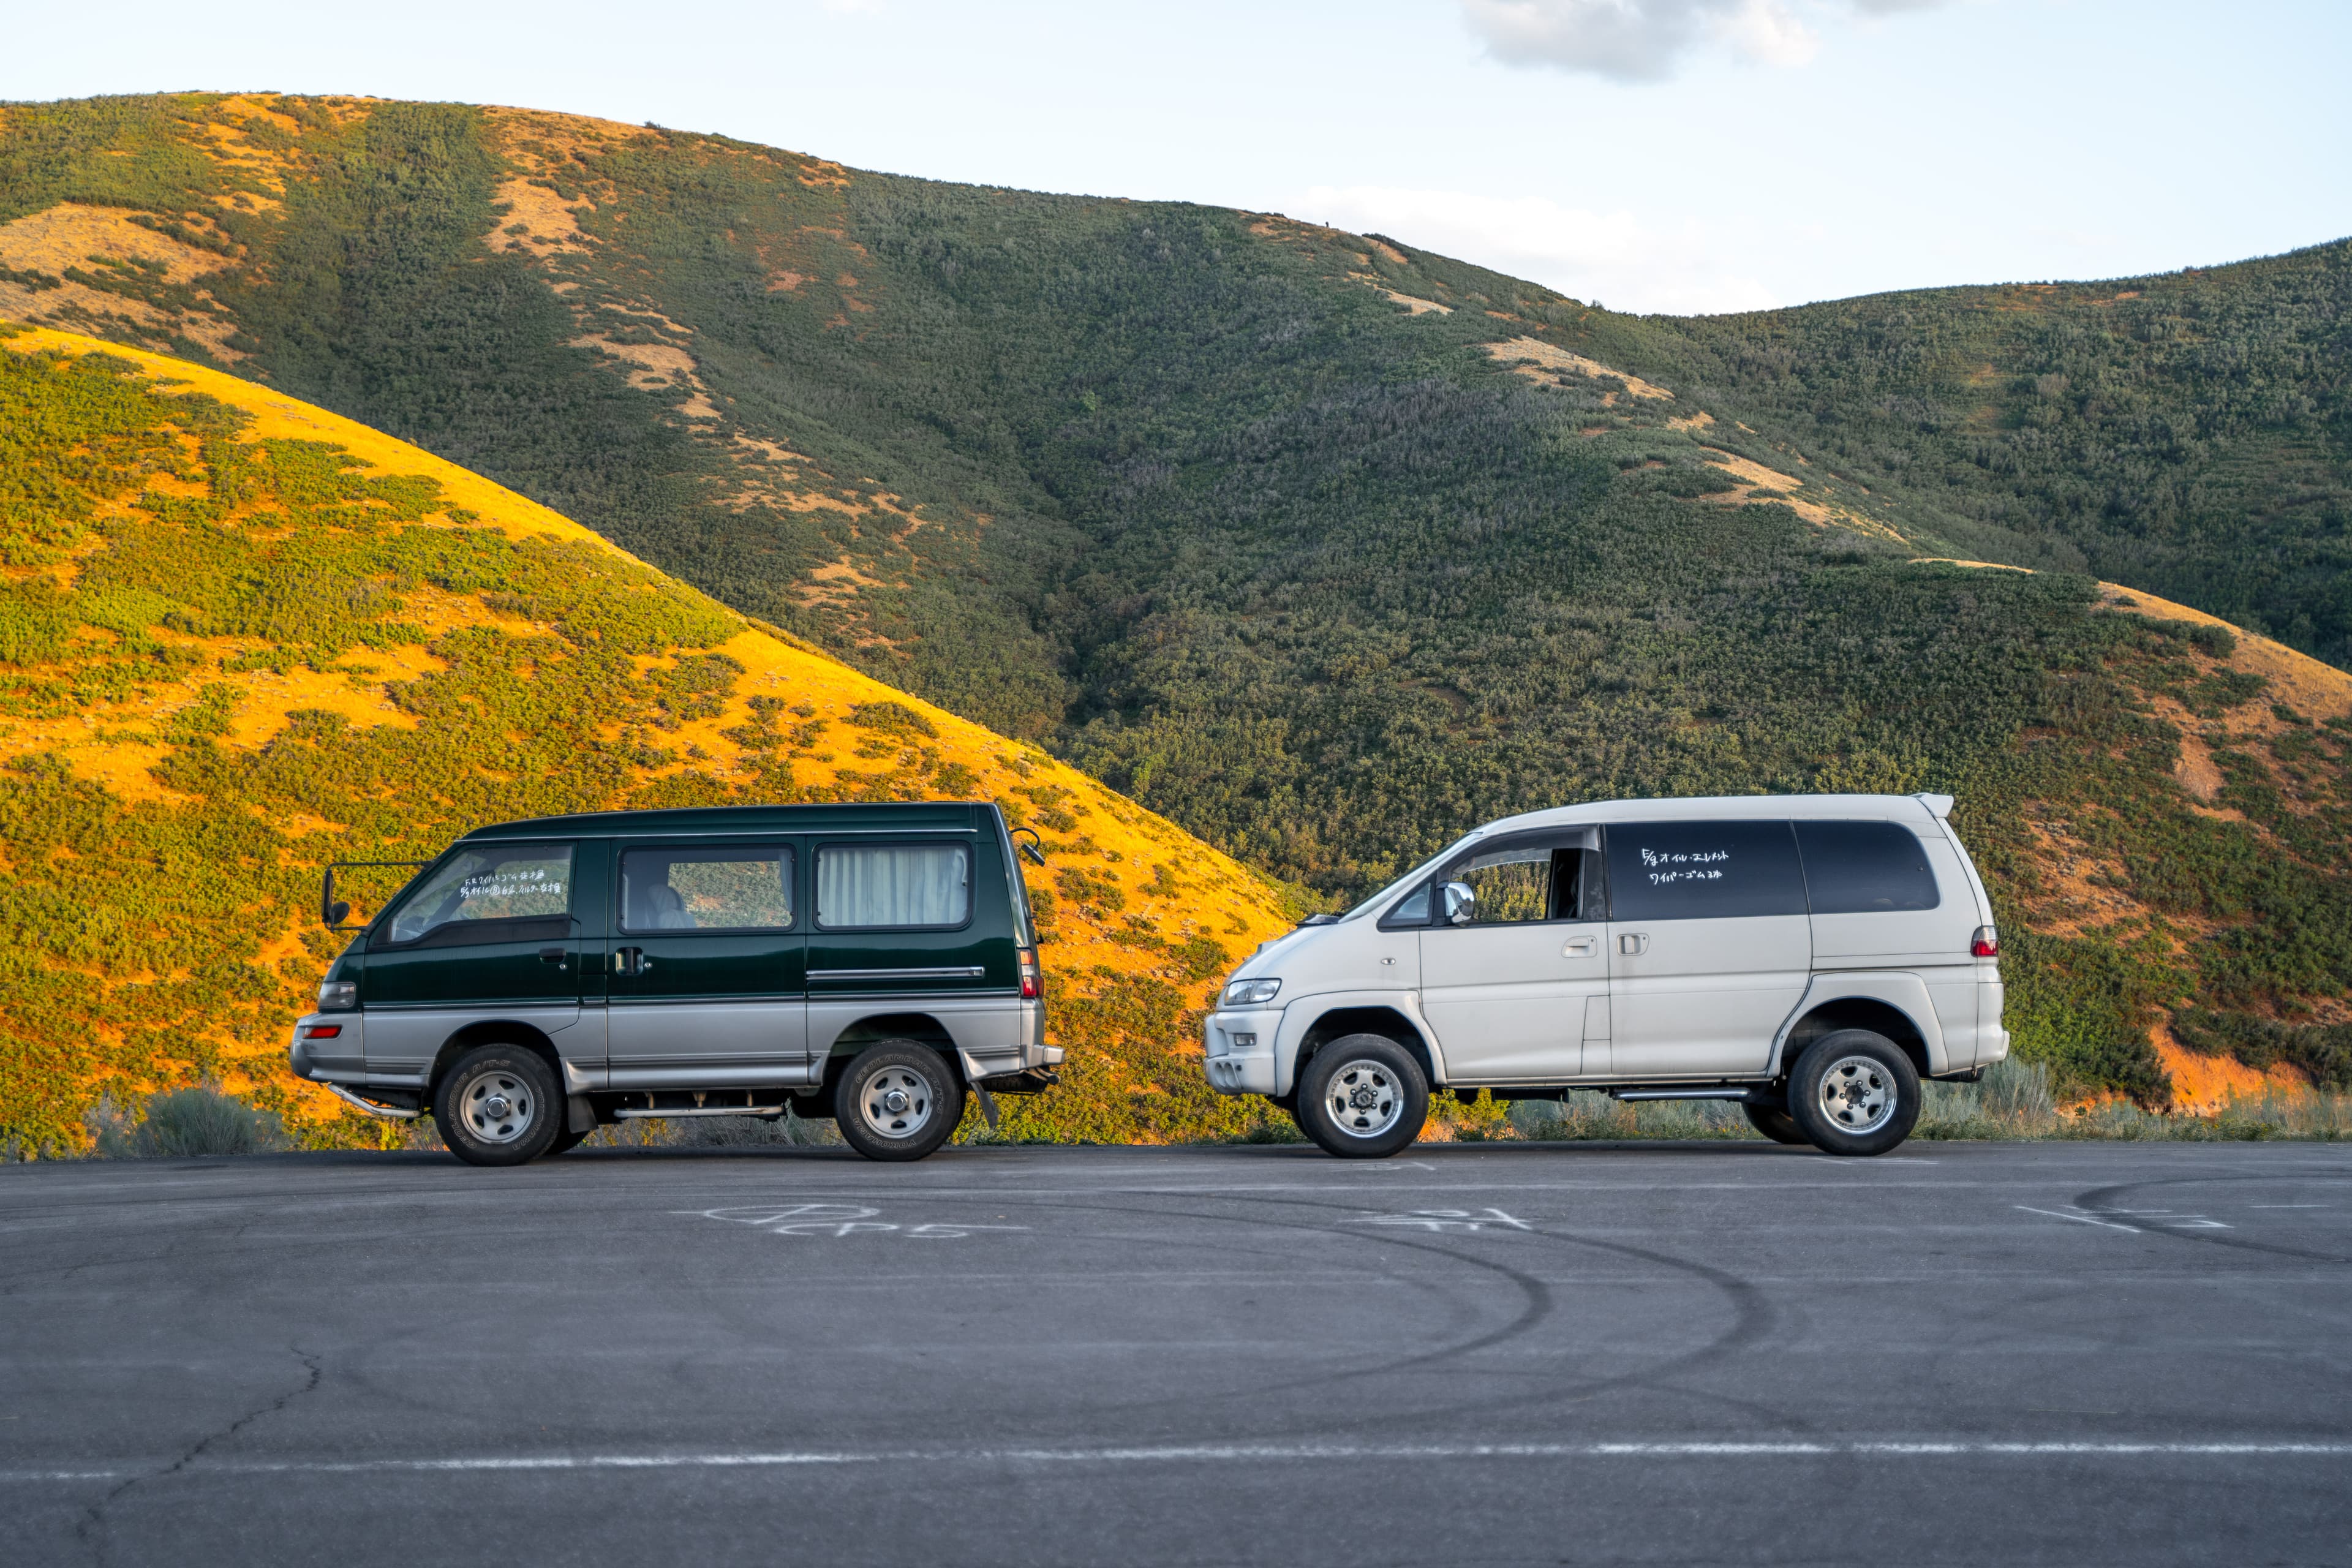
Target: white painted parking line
2080	1218
1224	1453
1448	1220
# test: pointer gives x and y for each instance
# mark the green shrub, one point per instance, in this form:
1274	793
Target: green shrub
197	1121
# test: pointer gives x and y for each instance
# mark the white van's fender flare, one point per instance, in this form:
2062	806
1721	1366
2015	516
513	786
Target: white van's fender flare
1907	993
1300	1018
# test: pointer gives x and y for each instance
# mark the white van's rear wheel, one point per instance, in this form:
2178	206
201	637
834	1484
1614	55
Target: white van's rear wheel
1362	1097
1854	1092
897	1100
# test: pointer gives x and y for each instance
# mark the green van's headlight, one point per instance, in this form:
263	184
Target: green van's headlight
1249	993
339	995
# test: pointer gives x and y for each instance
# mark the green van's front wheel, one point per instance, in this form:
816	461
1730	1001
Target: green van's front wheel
499	1106
897	1100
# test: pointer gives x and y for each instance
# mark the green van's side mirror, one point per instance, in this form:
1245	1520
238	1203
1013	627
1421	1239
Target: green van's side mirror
334	914
1033	851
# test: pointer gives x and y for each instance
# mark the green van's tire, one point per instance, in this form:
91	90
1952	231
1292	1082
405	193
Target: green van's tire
1362	1097
499	1106
1775	1123
1854	1093
897	1100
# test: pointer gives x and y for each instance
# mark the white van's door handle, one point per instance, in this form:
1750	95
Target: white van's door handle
1581	947
1632	942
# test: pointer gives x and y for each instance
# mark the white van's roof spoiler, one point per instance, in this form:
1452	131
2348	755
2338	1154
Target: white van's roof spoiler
1941	805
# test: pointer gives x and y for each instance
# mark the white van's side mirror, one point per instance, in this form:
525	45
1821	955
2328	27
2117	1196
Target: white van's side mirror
1460	903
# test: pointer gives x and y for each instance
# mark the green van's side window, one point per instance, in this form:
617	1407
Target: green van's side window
494	882
893	886
734	887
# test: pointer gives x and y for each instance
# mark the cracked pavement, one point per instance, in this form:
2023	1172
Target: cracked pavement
1732	1353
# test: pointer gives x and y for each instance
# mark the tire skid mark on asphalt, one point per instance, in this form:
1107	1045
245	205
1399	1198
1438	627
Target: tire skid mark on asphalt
2109	1199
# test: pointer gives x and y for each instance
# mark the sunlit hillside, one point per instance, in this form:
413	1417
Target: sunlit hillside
1326	547
240	637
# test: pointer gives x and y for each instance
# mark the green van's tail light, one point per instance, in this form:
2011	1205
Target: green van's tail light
1033	985
1986	944
321	1031
339	995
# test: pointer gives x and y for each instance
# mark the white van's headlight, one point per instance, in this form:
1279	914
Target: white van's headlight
339	995
1249	993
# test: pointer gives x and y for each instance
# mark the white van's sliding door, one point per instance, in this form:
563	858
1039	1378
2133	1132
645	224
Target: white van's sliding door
1709	945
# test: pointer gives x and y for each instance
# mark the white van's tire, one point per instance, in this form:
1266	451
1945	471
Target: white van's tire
1854	1093
1362	1097
499	1106
897	1100
1774	1123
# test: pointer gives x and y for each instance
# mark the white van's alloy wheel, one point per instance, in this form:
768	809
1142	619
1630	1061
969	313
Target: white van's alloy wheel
1363	1098
1853	1092
1858	1094
894	1101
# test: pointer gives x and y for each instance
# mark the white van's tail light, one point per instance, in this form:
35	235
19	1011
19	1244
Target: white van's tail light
321	1031
1033	985
1986	944
339	995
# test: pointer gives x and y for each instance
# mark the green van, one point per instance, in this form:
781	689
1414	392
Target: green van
871	963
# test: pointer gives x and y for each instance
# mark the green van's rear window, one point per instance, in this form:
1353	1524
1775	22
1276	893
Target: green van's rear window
883	886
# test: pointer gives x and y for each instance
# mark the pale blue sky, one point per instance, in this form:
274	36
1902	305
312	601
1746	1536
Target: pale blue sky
1653	154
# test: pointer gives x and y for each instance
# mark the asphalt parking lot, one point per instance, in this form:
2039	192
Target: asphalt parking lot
1734	1352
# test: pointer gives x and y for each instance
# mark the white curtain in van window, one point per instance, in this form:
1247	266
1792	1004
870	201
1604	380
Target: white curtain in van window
893	885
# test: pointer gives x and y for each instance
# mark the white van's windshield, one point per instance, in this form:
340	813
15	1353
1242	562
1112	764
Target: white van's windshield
1404	883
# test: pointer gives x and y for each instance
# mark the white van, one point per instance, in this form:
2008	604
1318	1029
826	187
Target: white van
1811	957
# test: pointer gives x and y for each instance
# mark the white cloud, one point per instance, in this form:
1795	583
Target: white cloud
1647	40
1615	257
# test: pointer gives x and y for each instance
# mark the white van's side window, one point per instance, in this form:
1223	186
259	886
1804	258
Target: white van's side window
1865	868
1527	877
1702	870
893	885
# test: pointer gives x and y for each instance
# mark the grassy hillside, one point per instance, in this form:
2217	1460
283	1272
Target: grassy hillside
240	637
1326	547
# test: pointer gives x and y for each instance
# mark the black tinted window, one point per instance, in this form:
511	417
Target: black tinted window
1864	868
1700	870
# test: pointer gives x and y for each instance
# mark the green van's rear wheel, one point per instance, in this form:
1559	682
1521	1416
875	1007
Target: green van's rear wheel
897	1100
499	1106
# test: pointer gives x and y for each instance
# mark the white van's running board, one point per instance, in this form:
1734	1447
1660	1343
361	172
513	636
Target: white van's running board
1759	1092
639	1113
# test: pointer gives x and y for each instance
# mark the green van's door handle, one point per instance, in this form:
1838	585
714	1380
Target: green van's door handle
630	961
553	955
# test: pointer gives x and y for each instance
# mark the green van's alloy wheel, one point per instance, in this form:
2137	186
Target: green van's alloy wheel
899	1101
1774	1123
1362	1097
1854	1092
499	1106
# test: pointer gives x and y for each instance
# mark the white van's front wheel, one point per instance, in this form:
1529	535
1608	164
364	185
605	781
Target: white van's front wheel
1854	1092
1363	1097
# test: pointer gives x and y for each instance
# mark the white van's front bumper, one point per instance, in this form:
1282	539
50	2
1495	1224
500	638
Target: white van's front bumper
1240	1049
